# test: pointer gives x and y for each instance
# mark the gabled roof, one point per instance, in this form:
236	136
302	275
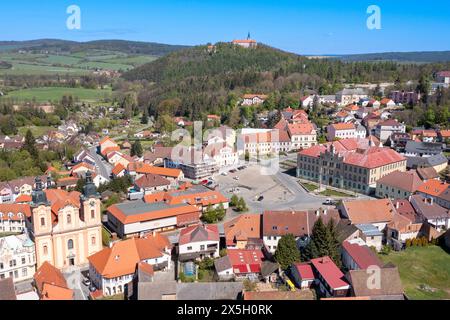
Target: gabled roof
151	180
369	211
144	168
51	284
343	126
427	173
305	270
245	261
391	284
199	233
118	169
428	208
242	228
433	187
123	257
407	181
363	256
12	211
330	272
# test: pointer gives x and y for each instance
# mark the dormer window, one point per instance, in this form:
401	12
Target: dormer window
10	215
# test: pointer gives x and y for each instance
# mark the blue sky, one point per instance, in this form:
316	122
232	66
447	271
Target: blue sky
301	26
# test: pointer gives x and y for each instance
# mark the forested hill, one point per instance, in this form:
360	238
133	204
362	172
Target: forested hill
226	58
128	47
202	79
413	57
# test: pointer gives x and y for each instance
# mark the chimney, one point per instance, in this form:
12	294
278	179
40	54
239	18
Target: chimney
154	234
397	205
318	213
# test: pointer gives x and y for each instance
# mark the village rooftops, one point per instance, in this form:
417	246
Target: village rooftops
428	208
124	256
369	211
51	284
137	211
243	228
433	188
407	181
298	223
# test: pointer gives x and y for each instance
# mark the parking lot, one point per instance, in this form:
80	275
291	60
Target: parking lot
256	189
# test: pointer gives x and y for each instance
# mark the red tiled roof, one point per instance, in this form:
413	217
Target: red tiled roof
433	187
343	126
369	211
363	256
300	128
151	180
15	209
199	233
407	181
118	169
245	261
305	271
330	272
51	284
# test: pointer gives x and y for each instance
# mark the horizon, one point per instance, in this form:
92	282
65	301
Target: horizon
303	27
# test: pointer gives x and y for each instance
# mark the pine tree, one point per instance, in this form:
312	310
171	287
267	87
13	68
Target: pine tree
287	252
144	119
136	149
30	145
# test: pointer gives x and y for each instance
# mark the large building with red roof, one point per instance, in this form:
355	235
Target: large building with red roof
331	281
352	164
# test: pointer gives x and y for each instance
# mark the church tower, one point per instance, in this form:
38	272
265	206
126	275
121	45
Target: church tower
42	224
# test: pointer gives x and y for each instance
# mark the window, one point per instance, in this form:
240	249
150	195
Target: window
70	244
189	248
12	263
24	272
23	260
69	219
93	240
202	247
45	249
42	222
92	214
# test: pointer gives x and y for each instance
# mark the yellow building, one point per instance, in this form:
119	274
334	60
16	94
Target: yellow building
66	227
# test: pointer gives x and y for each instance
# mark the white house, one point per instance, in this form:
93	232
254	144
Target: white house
198	242
344	131
112	269
386	128
17	258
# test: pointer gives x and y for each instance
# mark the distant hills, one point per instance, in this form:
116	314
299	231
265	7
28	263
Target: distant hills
128	47
412	57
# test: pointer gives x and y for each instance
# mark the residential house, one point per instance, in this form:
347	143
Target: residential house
358	256
398	185
240	264
438	162
150	183
422	149
139	169
199	242
386	128
427	173
443	199
443	77
119	171
276	224
371	235
253	99
303	135
244	232
344	131
348	96
329	279
302	275
258	142
387	103
389	285
113	269
13	217
17	258
84	156
432	189
444	136
405	97
193	162
307	101
344	116
376	212
51	284
157	154
406	224
431	212
107	145
352	164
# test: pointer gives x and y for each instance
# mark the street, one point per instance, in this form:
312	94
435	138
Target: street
103	167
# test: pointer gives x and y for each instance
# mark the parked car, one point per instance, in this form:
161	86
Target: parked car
86	282
236	178
261	198
328	202
224	174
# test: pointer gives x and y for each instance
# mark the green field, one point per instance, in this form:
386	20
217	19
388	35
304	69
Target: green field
79	63
333	193
47	94
425	271
37	131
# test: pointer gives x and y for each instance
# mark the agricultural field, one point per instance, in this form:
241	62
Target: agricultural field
48	94
78	63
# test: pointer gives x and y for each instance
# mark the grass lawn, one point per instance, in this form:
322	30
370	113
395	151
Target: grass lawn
420	266
37	131
7	234
46	94
333	193
116	297
309	186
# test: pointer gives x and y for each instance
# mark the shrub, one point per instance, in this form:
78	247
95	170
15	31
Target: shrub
408	243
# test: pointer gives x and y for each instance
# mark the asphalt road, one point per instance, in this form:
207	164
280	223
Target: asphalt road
103	167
